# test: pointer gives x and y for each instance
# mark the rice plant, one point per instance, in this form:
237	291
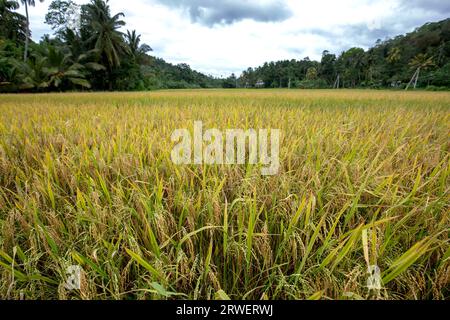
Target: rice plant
86	179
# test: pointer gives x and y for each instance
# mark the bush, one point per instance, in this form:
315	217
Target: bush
441	78
436	88
313	84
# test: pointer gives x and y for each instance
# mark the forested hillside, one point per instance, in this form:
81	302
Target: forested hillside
89	51
86	52
423	54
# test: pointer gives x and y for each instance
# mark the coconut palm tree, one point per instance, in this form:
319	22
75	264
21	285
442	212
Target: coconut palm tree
105	37
12	24
52	67
108	40
133	41
32	74
61	67
135	48
419	62
394	55
28	3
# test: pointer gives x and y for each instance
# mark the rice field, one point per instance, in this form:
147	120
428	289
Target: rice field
87	179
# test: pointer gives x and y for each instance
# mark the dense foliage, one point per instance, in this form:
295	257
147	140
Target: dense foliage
390	63
89	51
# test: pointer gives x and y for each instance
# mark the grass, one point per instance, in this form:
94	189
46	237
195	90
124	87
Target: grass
87	179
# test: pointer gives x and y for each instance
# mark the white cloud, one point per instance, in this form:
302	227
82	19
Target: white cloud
219	49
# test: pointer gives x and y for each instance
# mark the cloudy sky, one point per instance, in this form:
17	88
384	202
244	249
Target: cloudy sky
219	37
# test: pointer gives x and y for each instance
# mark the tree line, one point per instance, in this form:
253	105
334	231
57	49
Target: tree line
89	51
418	59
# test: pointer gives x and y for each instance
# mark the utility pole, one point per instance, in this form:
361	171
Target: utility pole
25	53
417	77
336	83
414	78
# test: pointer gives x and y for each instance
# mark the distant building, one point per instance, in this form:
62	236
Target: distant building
259	84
